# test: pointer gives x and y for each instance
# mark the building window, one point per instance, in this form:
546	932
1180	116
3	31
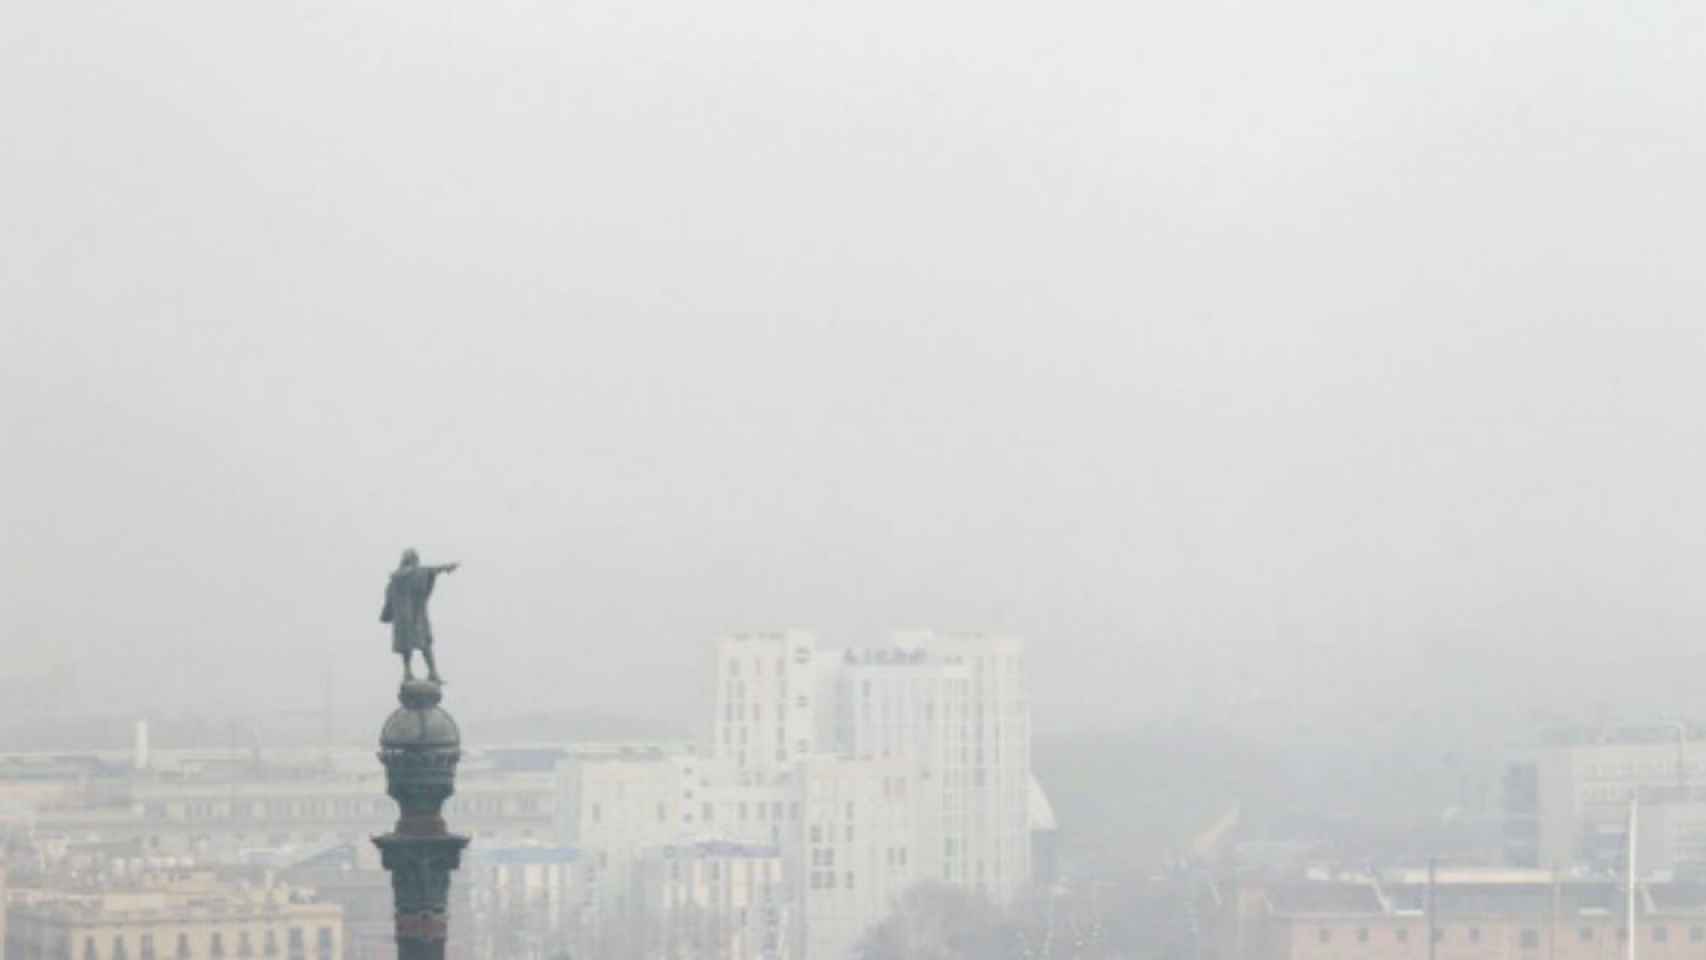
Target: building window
1474	934
296	947
89	948
1439	936
216	945
270	943
1324	935
1530	939
1362	935
119	951
147	950
1585	934
1661	934
325	941
1403	934
597	814
1697	934
183	951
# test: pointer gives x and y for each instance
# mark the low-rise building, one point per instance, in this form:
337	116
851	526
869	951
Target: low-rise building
1510	915
527	901
189	918
1567	802
713	900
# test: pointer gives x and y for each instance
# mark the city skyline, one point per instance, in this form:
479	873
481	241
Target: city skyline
960	480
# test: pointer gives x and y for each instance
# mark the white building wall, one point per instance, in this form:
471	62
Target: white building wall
994	769
954	706
713	900
612	809
854	857
765	700
748	808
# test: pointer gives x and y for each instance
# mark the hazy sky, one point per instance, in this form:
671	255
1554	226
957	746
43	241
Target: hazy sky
1327	353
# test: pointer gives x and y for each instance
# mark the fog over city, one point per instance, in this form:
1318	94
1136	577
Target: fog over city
930	481
1323	355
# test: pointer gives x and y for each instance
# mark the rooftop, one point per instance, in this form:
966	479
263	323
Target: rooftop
189	896
1494	897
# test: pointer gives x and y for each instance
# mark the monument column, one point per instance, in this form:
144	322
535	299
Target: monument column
420	746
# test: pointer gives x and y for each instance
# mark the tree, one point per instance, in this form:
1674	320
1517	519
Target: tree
934	921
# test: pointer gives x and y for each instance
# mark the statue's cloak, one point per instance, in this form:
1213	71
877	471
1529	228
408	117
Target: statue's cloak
405	608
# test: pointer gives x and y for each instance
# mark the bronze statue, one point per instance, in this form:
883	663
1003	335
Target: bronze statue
406	611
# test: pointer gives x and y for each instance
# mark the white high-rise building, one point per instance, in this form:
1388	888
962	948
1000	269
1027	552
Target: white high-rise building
864	771
764	701
954	707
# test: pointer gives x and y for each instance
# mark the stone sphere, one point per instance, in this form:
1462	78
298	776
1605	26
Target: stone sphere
420	723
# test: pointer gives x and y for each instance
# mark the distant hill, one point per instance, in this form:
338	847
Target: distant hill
1125	801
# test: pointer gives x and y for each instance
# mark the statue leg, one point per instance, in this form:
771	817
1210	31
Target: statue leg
432	666
408	665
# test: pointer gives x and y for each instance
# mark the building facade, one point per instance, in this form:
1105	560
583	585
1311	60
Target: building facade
1525	915
953	708
765	700
195	918
1568	803
713	900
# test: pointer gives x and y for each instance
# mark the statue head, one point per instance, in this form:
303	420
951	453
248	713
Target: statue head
410	559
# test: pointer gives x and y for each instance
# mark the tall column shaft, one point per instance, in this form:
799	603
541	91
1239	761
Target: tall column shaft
420	870
420	747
